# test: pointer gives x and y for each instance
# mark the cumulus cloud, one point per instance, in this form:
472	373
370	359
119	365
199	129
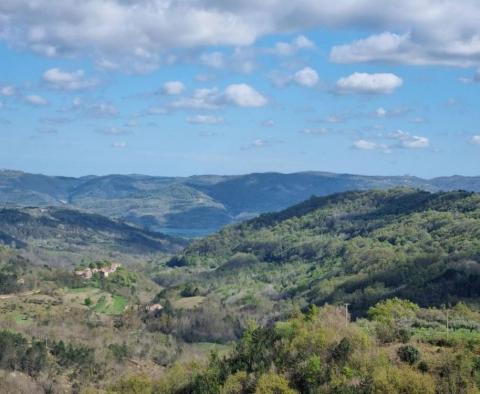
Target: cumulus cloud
381	112
205	98
8	91
140	31
36	100
213	59
405	49
306	77
258	143
381	83
64	80
244	95
96	110
401	140
290	48
240	95
173	88
366	145
242	59
205	119
409	141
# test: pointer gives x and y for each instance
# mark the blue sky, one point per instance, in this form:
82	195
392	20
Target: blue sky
228	88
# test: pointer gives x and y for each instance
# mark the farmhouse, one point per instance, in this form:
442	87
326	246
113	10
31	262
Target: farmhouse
154	308
103	271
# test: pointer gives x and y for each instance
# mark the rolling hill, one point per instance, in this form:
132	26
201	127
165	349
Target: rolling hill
354	247
199	204
60	236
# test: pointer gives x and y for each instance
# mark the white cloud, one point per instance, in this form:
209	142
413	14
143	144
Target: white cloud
103	110
242	60
290	48
119	145
476	140
423	49
96	110
365	145
390	113
205	119
381	112
306	77
8	91
139	32
409	141
316	131
205	98
244	95
64	80
36	100
173	88
402	140
213	59
381	83
258	143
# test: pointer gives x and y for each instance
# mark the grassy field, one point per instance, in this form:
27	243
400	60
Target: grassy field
188	302
111	304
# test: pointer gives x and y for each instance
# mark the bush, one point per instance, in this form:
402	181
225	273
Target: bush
423	367
342	351
408	354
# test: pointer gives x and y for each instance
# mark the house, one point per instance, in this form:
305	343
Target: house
104	272
153	308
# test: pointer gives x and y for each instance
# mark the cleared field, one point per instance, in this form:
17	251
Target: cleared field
188	302
110	305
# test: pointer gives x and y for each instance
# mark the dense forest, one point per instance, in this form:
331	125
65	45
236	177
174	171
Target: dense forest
356	247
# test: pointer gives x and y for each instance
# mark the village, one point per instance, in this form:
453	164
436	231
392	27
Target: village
104	269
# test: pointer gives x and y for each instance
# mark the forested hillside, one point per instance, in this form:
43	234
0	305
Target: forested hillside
265	296
356	247
59	236
197	205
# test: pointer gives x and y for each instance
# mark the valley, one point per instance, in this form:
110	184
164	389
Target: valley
258	303
197	205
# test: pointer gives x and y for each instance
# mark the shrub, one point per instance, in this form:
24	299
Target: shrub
342	351
423	366
408	354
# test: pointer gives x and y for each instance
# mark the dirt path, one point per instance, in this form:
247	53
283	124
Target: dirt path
24	294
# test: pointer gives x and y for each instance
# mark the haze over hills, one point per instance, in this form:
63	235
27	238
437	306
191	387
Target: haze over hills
197	205
58	236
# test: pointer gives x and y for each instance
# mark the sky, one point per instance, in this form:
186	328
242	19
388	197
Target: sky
177	88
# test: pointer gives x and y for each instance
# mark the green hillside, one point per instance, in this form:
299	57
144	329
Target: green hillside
59	236
356	247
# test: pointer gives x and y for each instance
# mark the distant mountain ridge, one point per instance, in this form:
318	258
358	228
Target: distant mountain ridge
203	203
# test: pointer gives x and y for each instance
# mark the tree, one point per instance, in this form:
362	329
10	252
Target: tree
272	383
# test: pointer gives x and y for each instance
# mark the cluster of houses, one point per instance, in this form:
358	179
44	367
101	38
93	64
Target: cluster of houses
88	272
